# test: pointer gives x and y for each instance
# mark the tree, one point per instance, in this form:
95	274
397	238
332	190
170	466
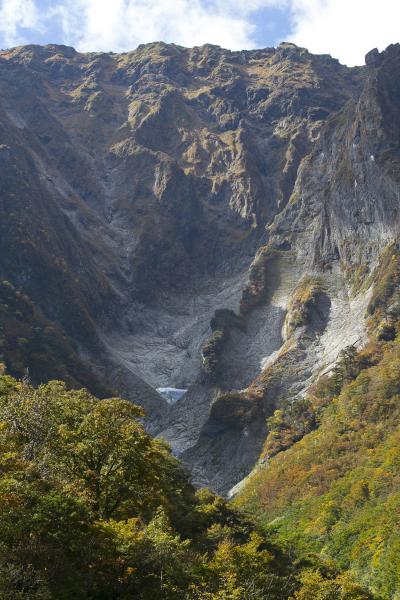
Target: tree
318	587
107	457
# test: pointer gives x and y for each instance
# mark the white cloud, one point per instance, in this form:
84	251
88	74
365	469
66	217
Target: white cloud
346	29
14	15
123	24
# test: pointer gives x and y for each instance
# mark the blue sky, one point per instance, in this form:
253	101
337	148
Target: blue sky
346	29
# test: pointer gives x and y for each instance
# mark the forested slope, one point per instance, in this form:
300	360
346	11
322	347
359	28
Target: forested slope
329	479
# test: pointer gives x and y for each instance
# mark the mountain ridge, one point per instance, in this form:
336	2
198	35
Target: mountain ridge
143	192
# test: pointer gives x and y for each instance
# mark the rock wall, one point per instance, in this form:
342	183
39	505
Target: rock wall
142	192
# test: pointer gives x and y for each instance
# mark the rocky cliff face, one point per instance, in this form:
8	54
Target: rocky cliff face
193	218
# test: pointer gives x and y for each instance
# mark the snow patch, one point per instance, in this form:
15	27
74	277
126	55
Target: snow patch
172	395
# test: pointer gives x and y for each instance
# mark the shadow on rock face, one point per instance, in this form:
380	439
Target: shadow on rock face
319	314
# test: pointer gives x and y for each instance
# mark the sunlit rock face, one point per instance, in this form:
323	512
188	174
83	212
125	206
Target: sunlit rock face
161	209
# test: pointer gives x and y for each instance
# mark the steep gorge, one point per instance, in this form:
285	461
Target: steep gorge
169	206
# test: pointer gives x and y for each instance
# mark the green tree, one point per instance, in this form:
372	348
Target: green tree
107	457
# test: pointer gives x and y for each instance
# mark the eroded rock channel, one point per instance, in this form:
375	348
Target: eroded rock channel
193	219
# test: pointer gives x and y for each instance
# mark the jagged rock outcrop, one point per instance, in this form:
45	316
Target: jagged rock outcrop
145	196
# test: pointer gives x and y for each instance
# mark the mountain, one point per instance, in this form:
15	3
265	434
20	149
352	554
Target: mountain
196	219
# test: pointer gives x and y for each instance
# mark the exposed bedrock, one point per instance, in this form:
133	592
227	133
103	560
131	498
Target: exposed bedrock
196	219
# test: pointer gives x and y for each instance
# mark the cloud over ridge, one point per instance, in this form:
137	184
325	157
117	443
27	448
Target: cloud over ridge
347	29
